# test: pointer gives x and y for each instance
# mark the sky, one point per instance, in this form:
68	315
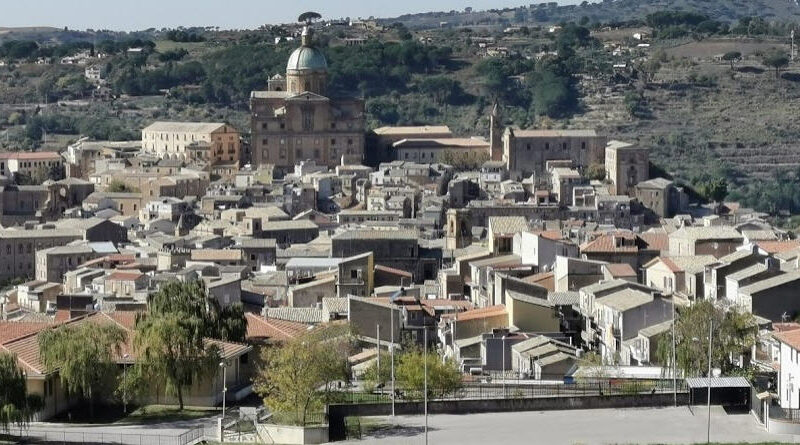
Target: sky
126	15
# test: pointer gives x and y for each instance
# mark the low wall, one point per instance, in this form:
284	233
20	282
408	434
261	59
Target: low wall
292	435
338	412
783	427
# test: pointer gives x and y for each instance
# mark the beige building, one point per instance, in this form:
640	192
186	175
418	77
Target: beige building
526	152
626	166
211	143
53	263
37	295
295	119
678	274
28	162
382	139
716	241
458	151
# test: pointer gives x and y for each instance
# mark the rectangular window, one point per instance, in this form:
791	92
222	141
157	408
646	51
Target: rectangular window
333	141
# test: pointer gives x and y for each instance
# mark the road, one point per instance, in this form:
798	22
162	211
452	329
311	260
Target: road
601	426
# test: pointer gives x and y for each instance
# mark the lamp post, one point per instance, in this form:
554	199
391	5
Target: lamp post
710	333
425	387
224	387
391	351
378	339
674	377
504	365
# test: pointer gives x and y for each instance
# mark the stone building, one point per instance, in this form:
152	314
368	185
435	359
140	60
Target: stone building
626	166
526	152
662	197
296	120
380	141
19	248
206	142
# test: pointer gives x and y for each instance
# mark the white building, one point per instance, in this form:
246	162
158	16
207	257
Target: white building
789	374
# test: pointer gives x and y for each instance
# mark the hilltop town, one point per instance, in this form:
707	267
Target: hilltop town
306	259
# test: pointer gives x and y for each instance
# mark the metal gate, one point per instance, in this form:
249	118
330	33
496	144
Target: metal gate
756	405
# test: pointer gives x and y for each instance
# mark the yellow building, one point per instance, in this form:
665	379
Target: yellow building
295	119
206	142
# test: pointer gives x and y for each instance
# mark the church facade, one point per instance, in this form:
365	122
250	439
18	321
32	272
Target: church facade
295	120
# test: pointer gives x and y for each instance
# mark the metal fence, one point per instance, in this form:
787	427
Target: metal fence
516	391
34	435
785	414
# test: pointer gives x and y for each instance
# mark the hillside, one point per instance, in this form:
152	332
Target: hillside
604	12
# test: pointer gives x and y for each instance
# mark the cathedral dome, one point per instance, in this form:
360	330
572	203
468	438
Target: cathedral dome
307	58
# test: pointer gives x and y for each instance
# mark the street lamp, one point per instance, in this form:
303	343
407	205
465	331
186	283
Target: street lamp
710	332
425	389
708	384
224	386
504	364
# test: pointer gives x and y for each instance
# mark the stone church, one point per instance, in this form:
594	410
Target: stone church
295	120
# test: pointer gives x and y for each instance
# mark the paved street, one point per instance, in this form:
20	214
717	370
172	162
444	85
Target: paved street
602	426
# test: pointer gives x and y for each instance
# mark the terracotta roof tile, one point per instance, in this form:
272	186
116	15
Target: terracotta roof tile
778	246
476	314
260	328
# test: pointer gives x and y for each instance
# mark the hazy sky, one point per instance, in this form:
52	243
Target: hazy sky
143	14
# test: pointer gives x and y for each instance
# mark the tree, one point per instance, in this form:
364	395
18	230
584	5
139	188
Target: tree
715	189
17	407
172	350
309	17
443	376
117	186
596	172
734	333
649	69
298	377
732	57
83	355
191	302
777	59
443	89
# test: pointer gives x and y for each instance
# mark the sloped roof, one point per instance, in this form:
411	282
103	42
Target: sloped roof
184	127
507	224
707	233
260	328
476	314
618	270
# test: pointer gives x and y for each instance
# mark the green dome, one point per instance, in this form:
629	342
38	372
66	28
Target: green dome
307	58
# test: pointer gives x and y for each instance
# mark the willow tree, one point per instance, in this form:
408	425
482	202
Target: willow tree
191	301
84	356
172	350
17	407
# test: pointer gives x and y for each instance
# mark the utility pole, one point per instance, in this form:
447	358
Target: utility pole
674	377
710	333
425	388
792	45
378	337
391	352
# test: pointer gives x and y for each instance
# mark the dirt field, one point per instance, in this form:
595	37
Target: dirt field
711	48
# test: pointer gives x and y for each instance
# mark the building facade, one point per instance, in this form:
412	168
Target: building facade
295	119
526	152
211	143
